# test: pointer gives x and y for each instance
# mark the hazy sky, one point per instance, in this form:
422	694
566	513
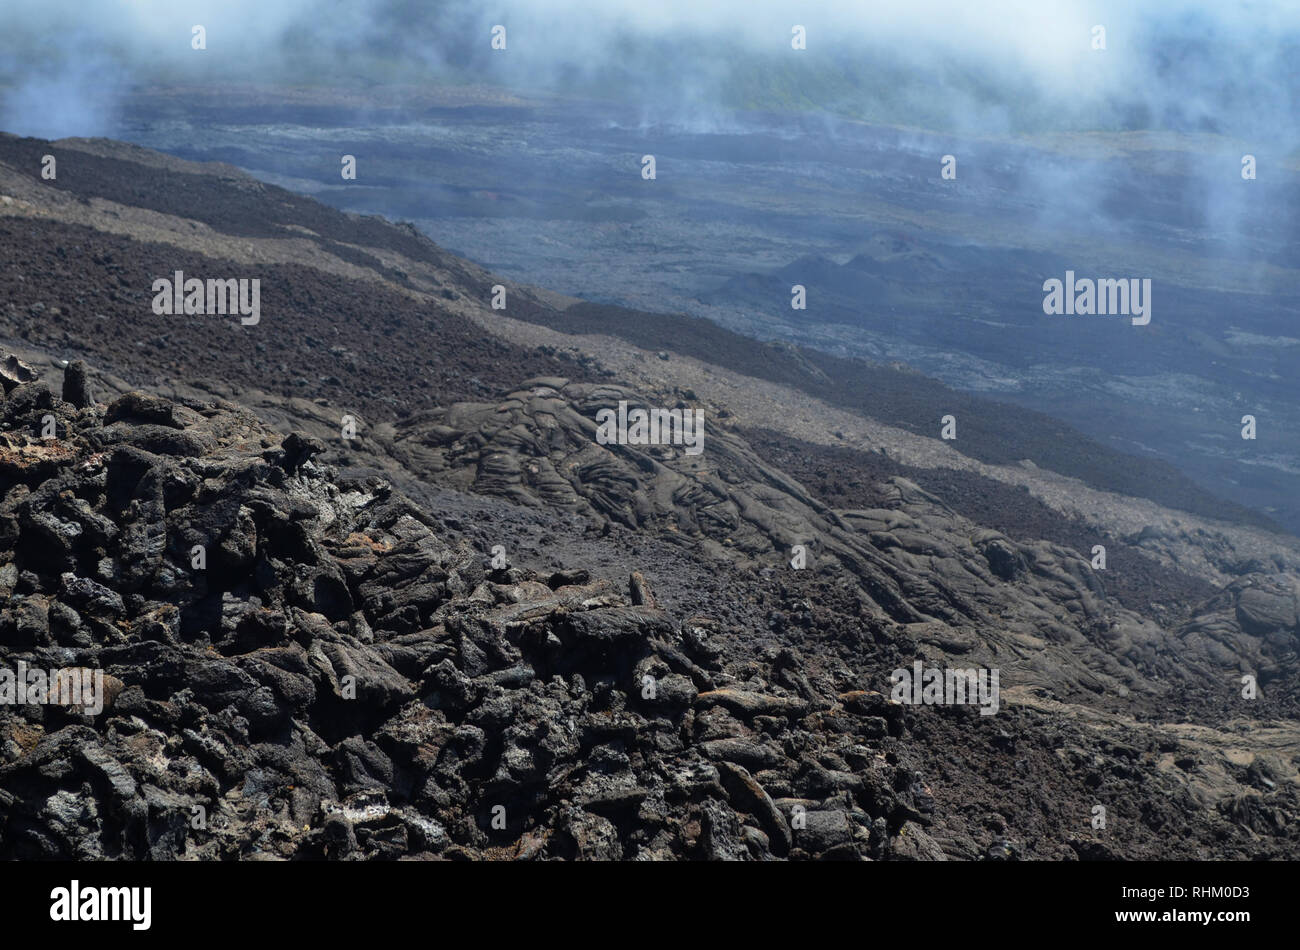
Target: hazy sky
1168	63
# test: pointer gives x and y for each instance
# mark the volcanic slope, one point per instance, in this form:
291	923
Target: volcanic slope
647	677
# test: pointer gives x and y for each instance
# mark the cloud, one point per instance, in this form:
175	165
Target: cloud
1016	64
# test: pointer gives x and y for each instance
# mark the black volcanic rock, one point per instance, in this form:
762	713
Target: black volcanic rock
307	645
14	372
303	671
1263	611
76	385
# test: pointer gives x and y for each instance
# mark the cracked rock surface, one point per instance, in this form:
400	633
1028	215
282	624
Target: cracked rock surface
337	681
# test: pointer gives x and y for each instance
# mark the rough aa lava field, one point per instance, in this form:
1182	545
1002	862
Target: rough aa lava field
472	631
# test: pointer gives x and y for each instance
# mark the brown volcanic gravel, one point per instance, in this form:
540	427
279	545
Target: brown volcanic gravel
64	284
523	686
